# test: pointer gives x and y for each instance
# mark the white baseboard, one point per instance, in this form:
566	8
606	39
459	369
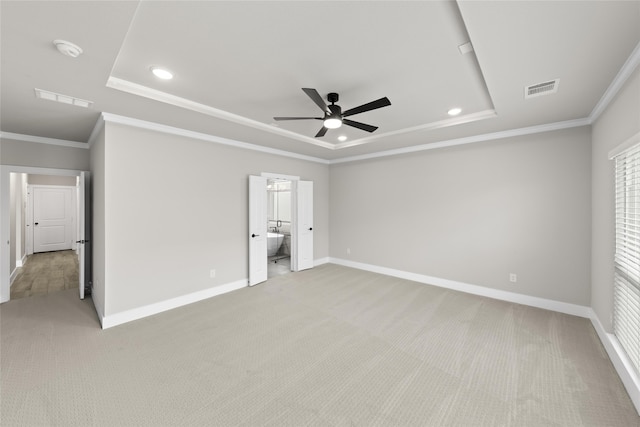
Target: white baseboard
98	304
618	357
21	262
547	304
151	309
13	276
620	361
320	261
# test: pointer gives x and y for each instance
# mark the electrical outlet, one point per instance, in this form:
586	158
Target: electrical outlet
212	273
513	278
348	251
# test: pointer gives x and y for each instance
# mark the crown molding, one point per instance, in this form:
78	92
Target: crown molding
469	140
43	140
167	98
467	118
620	79
143	124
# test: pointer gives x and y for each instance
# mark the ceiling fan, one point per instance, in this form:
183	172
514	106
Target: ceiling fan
333	115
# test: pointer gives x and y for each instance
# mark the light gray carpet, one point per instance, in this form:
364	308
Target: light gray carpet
330	346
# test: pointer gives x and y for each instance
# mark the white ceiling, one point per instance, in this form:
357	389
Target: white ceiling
238	64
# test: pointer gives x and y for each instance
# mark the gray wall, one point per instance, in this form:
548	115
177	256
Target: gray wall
98	222
474	213
178	207
23	153
52	180
619	122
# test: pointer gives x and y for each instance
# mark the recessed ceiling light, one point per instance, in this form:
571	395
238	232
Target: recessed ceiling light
162	73
454	111
342	138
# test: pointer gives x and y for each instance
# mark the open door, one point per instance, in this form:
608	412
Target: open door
84	237
257	230
304	226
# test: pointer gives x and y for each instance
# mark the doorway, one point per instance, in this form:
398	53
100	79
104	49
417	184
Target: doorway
300	227
17	224
49	262
278	227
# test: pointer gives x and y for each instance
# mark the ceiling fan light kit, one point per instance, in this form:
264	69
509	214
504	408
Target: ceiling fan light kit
333	115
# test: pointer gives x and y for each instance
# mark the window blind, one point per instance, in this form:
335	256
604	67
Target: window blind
626	309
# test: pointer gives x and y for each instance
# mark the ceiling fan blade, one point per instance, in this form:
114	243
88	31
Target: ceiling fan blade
315	97
321	132
378	103
359	125
297	118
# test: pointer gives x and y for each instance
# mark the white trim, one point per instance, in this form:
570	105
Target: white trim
114	118
21	262
469	140
468	118
97	303
620	361
270	175
142	124
167	98
626	145
13	276
616	84
159	307
33	170
43	140
547	304
320	261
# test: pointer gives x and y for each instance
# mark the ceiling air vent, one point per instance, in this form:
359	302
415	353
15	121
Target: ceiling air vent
540	89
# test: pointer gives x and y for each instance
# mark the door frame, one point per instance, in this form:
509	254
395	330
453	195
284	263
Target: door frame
5	223
294	202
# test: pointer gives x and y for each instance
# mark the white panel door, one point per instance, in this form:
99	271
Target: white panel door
257	229
84	236
304	225
52	219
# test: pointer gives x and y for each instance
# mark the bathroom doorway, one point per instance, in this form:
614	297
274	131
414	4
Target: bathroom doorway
279	215
299	244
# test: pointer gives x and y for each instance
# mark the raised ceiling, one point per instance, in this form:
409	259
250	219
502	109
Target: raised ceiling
237	64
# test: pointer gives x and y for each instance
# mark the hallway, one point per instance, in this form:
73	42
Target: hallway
45	273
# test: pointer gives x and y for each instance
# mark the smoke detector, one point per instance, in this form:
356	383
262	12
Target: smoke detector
68	48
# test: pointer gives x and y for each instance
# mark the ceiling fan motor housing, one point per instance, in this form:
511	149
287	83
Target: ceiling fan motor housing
336	111
332	97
